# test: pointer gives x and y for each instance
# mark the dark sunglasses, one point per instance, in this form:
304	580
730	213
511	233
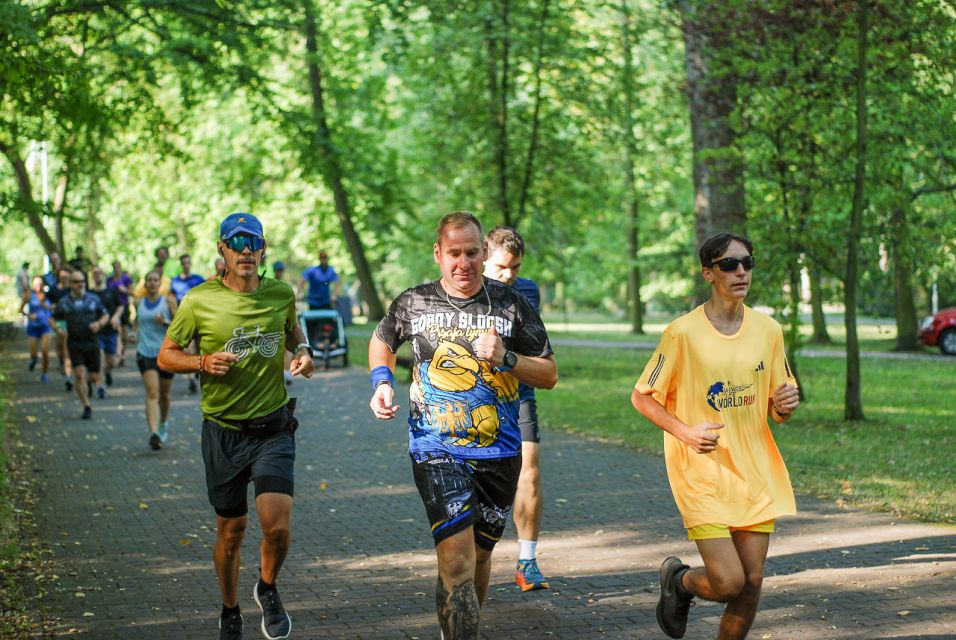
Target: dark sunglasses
729	265
240	242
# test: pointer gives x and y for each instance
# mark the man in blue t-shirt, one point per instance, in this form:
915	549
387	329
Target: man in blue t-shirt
505	248
186	280
180	286
320	279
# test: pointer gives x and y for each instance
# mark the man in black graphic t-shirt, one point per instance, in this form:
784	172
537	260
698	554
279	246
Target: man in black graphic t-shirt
473	340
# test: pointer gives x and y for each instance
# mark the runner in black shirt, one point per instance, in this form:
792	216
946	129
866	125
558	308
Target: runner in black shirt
85	317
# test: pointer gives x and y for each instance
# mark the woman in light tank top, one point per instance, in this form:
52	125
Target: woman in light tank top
153	314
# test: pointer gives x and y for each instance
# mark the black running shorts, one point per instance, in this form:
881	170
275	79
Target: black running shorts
85	356
149	364
458	494
233	459
528	421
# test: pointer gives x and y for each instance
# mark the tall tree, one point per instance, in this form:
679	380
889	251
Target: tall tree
719	203
631	152
853	399
330	165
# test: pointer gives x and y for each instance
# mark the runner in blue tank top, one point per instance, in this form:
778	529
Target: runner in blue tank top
37	310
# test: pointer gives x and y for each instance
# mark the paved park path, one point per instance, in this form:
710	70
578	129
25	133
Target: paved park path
130	533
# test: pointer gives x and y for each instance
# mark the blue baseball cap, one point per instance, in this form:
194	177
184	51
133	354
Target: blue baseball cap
278	265
237	223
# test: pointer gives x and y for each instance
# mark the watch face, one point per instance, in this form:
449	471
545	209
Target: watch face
511	359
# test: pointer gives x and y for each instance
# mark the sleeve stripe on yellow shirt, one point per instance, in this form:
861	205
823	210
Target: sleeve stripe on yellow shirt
657	370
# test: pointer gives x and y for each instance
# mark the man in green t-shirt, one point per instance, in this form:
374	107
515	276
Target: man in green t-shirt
243	323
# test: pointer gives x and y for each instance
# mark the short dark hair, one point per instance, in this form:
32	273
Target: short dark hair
714	246
185	256
456	220
505	238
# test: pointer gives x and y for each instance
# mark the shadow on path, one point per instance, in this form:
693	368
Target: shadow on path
131	536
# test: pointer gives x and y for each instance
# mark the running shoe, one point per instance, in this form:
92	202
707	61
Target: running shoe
43	378
109	378
155	443
33	364
87	413
101	392
69	385
276	623
163	431
673	606
529	577
230	626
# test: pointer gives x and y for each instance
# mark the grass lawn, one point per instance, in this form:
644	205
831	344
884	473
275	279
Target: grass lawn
874	335
899	460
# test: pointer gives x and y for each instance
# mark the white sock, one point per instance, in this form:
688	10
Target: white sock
527	549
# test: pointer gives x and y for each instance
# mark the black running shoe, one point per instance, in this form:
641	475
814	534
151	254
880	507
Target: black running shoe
276	623
33	364
230	626
87	413
155	442
673	606
109	378
69	385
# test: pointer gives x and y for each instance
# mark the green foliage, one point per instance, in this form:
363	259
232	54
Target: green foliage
165	117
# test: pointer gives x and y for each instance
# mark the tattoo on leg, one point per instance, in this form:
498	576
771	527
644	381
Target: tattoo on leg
458	611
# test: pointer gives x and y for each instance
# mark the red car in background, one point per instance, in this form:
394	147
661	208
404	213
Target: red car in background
940	330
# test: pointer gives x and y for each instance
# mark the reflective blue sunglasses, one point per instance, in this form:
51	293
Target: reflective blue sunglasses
239	242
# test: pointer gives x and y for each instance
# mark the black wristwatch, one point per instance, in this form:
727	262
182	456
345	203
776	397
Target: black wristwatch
510	360
307	347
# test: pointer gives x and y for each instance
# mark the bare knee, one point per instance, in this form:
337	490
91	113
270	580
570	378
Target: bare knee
726	587
277	534
753	582
232	533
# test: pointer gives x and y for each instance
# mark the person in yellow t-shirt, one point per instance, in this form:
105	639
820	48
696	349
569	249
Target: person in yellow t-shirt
712	382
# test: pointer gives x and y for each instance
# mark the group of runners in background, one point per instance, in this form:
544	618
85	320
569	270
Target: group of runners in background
480	347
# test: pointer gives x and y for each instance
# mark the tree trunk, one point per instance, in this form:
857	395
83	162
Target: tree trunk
792	258
331	169
630	159
718	171
22	177
907	338
820	333
535	120
498	99
853	409
59	206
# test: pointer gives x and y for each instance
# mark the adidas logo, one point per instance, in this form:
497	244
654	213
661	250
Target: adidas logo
759	366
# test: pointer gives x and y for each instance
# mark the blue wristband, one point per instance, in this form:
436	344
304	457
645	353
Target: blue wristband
381	374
